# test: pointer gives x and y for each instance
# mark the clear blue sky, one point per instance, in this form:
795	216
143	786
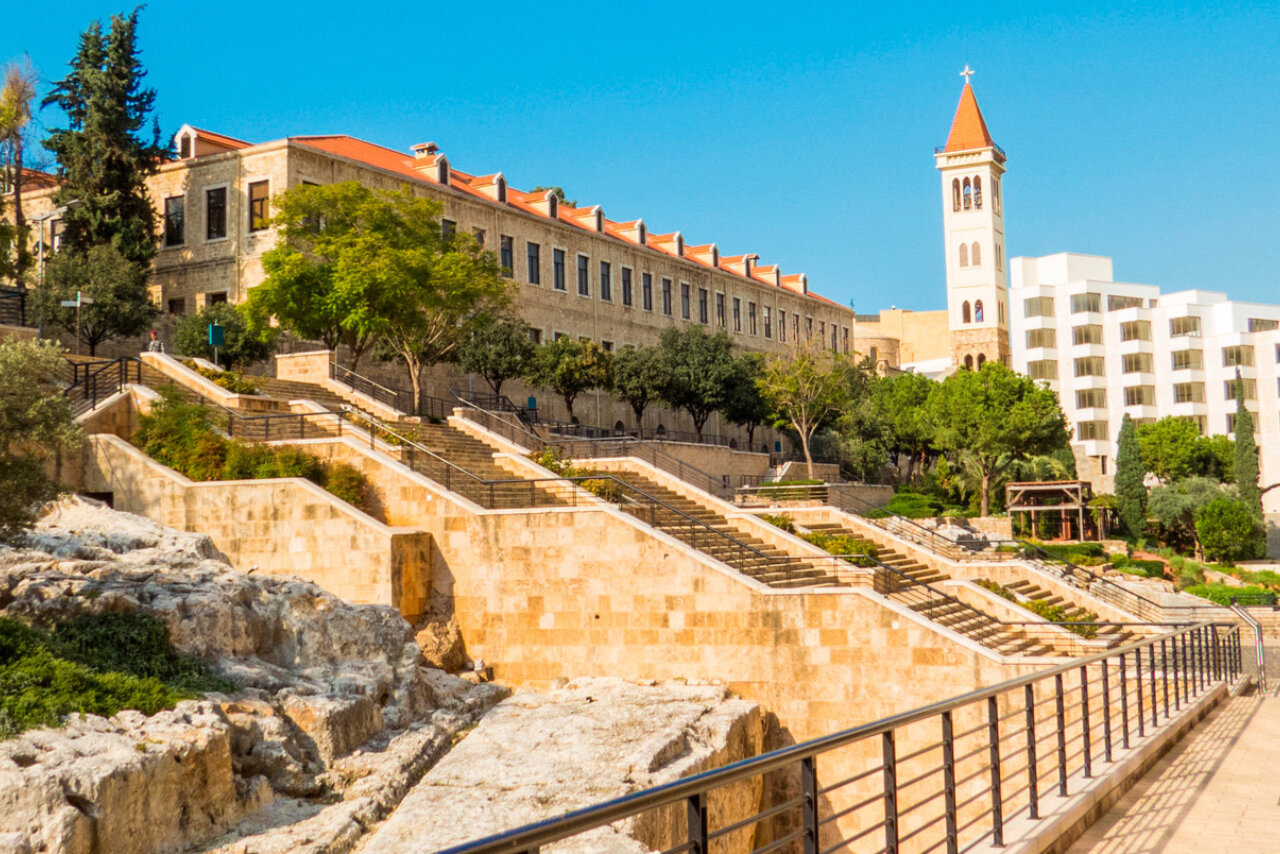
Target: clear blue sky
801	132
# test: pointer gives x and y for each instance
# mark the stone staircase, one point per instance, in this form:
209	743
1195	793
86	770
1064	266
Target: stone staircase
946	612
713	534
1074	612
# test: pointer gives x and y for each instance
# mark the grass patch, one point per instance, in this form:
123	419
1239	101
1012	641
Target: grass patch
1134	566
1222	594
97	664
180	435
854	550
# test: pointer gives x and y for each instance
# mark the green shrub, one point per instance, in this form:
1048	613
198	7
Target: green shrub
232	381
348	483
1222	593
1263	578
913	505
1228	532
1052	613
97	664
783	522
604	487
856	551
996	588
1134	566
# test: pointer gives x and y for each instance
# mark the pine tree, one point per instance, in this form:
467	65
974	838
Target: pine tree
1131	494
1246	456
102	160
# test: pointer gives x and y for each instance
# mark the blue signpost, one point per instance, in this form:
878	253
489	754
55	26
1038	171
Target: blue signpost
216	339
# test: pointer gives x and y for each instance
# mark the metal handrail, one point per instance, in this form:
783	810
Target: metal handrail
1260	648
931	539
1135	602
86	376
1213	658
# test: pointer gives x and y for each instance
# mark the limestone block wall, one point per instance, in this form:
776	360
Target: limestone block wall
285	526
17	333
312	366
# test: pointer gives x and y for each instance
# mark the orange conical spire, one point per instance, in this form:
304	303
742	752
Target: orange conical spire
968	130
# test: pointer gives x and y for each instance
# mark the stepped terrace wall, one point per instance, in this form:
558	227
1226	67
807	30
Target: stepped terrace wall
285	526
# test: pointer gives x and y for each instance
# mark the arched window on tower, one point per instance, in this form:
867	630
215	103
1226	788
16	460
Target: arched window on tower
964	255
975	254
982	360
955	194
968	195
977	193
977	311
968	362
995	193
965	317
1000	312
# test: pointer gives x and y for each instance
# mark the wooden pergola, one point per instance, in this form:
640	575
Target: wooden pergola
1065	502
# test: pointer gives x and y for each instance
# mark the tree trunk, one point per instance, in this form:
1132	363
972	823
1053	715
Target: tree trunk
808	458
986	493
639	411
698	424
568	404
19	218
751	436
496	386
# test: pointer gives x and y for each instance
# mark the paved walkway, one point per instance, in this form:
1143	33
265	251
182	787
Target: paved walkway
1217	790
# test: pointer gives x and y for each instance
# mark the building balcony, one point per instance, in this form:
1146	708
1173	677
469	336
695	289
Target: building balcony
1189	408
1145	411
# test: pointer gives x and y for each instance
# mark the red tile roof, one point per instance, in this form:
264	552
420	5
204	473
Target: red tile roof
221	139
968	129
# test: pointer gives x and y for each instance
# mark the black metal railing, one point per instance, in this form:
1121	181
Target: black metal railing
496	403
13	307
907	528
399	399
91	382
985	758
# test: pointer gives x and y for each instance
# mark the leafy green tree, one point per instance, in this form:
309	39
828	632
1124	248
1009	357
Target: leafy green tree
807	389
1172	449
1228	531
901	401
498	349
570	367
240	348
700	372
121	306
102	160
559	194
16	95
639	376
1246	455
1131	492
1174	507
35	424
746	406
993	417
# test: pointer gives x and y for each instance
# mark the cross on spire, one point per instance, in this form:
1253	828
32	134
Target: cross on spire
967	73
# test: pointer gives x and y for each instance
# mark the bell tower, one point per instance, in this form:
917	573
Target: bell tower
972	168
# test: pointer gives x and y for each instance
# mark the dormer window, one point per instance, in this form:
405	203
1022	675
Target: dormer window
715	257
679	245
553	206
442	172
184	146
599	220
642	234
502	189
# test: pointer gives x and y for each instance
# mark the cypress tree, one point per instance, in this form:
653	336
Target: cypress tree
102	160
1246	456
1131	494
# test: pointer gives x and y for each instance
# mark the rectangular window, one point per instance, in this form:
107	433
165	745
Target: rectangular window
845	330
533	254
737	314
1235	357
174	215
1037	307
646	291
1115	302
1044	369
1085	302
559	335
506	254
1091	366
702	305
720	318
782	325
751	318
606	283
795	327
822	330
1259	324
1042	338
1138	363
808	329
626	286
215	299
1184	360
259	194
666	297
448	228
178	306
584	276
1092	430
1184	326
1250	389
535	335
1140	395
767	317
479	235
215	213
1188	393
557	269
607	346
685	307
1135	330
1091	398
1231	422
1091	334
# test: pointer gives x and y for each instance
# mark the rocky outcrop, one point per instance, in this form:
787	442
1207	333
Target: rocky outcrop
537	756
332	704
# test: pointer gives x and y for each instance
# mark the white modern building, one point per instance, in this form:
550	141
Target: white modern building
1109	348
